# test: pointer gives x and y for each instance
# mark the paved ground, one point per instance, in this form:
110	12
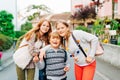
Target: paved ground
7	58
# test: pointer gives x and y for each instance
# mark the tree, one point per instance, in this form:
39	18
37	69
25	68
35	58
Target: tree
26	26
41	7
6	25
37	13
85	13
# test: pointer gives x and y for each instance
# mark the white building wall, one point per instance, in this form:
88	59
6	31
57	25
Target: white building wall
119	7
77	2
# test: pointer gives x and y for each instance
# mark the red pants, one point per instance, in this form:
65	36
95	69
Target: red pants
85	72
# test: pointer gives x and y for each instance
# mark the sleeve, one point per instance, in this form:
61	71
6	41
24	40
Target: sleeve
67	60
40	65
92	40
45	48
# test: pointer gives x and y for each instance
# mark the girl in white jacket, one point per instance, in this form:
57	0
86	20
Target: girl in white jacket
35	39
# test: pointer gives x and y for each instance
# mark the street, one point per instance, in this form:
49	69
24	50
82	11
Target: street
107	71
104	71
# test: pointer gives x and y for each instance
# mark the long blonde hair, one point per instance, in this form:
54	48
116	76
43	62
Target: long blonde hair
35	30
67	25
67	34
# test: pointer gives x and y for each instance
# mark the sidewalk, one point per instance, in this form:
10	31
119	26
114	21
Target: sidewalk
7	58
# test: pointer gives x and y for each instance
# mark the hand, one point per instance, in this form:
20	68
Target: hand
66	68
75	59
35	59
34	54
89	59
42	55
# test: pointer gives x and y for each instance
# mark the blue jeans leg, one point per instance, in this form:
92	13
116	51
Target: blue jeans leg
42	75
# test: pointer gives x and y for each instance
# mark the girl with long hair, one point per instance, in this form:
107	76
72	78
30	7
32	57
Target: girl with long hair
35	39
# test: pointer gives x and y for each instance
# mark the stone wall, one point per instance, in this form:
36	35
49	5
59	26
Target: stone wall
111	54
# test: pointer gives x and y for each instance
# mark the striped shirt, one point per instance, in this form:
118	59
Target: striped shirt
55	62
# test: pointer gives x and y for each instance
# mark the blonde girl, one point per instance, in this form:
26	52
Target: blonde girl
84	67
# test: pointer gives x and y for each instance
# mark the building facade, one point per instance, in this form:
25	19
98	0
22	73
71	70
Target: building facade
106	9
103	7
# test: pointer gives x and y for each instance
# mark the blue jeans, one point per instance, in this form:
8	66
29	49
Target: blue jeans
42	74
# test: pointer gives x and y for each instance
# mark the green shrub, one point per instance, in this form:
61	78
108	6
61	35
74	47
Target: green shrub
6	24
19	34
5	42
83	28
26	26
98	27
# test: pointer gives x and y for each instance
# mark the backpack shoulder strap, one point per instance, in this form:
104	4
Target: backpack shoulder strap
65	55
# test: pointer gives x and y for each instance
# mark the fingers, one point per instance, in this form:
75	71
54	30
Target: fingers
35	59
42	55
66	69
89	59
75	59
34	54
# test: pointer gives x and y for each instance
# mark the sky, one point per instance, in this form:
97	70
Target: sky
57	6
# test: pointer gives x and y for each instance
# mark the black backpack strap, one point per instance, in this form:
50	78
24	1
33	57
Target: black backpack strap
65	55
80	47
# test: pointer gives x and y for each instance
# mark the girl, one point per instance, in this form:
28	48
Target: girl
83	65
36	38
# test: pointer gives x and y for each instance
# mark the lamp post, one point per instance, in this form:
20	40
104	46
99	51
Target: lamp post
73	17
113	9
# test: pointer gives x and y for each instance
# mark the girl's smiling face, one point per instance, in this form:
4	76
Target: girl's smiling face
62	29
44	27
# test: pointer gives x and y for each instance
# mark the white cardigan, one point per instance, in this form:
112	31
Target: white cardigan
87	41
23	55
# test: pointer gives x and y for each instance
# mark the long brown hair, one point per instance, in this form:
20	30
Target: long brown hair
35	30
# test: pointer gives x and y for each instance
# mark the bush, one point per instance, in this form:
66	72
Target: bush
5	42
83	28
6	24
26	26
19	34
